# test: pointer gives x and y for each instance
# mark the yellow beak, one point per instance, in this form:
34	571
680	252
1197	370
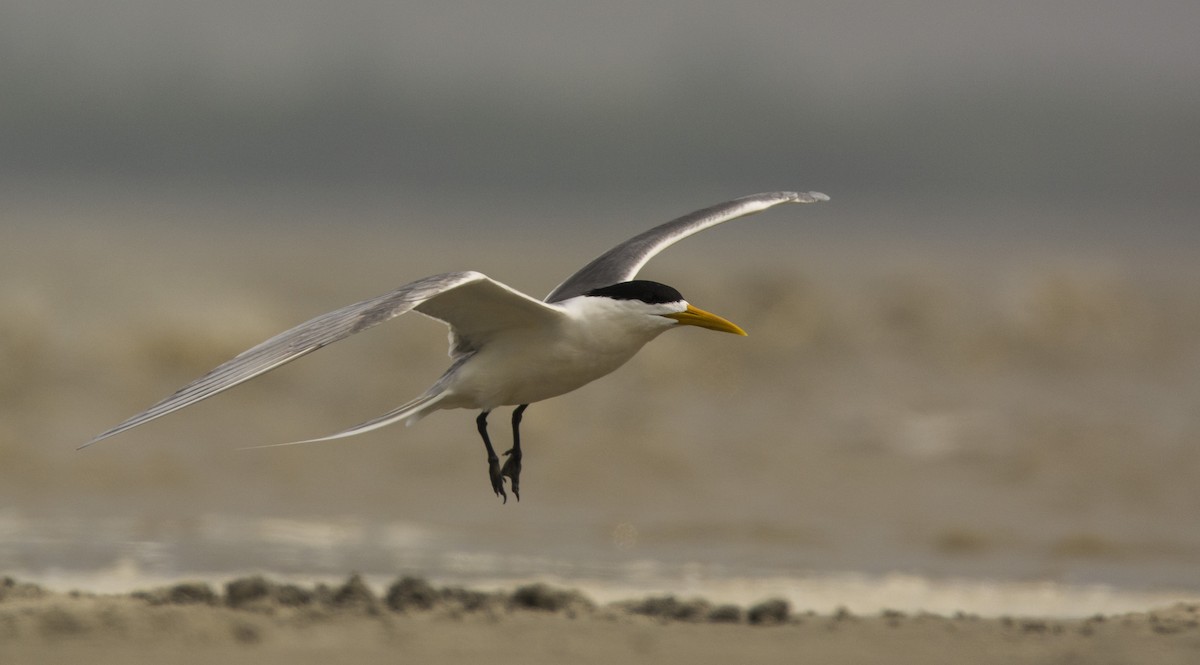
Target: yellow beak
694	316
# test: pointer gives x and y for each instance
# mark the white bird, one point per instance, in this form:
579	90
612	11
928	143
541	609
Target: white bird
508	349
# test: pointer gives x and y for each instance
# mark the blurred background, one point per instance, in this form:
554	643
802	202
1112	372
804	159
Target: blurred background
979	364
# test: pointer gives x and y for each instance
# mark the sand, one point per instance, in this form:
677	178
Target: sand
256	620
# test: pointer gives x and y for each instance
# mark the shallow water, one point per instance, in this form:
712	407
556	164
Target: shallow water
992	428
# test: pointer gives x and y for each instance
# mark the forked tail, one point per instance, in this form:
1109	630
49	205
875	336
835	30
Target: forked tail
412	411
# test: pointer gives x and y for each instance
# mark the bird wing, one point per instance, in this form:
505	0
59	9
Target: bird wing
622	263
477	310
473	305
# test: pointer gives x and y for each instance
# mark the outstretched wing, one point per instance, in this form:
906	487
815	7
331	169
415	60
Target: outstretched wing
474	305
622	263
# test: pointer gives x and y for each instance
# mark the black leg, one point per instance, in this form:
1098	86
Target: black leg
512	465
493	461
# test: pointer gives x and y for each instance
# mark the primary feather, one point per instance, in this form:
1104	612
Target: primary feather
622	263
470	327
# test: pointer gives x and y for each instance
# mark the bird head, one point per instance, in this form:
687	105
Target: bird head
660	300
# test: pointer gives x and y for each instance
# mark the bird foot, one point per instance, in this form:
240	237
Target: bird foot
512	469
497	478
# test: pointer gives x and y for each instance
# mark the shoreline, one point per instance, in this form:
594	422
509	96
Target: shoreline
272	622
823	592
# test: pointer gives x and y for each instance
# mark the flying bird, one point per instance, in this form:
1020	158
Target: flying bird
507	348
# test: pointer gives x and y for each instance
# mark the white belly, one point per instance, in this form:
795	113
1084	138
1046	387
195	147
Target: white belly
538	365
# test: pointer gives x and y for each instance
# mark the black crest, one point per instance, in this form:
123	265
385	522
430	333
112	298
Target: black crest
651	293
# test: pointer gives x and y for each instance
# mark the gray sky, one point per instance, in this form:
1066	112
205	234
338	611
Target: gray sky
1065	102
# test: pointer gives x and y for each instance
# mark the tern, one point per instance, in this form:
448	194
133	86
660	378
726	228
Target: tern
507	348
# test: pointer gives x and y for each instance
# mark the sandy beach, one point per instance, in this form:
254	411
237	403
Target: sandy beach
256	620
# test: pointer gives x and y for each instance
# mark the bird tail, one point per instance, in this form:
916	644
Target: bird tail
411	412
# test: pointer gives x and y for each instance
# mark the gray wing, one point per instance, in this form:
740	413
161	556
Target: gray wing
468	296
622	263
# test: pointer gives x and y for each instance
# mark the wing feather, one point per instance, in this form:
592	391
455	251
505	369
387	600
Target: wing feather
622	263
458	288
478	310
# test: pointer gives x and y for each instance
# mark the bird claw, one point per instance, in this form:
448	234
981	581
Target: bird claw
512	469
497	477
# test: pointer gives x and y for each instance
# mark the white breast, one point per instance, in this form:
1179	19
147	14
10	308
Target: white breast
539	362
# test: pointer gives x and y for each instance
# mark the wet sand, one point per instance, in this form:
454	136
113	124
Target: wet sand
257	620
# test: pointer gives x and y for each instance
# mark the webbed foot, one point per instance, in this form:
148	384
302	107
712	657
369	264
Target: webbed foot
496	474
512	469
